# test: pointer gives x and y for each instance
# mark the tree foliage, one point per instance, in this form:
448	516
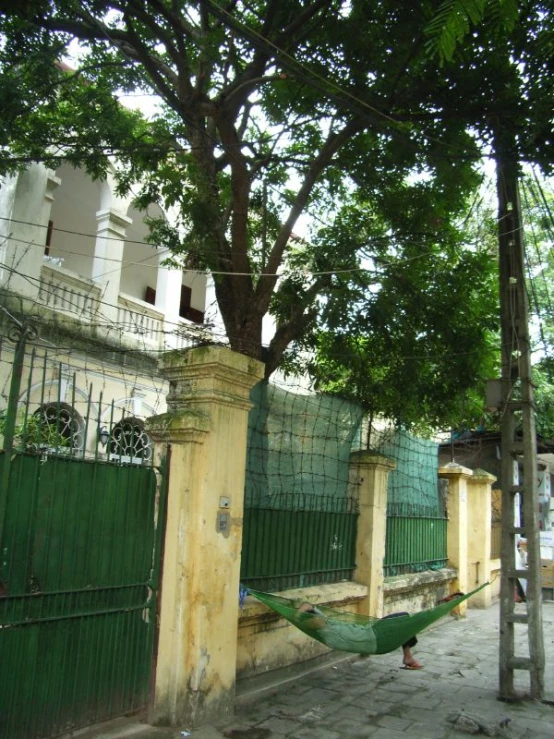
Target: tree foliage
271	108
497	83
417	343
267	109
538	209
454	20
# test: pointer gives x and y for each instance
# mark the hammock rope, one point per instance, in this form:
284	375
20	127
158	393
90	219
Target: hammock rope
352	632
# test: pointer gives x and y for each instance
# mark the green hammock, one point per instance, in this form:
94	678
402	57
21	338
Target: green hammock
352	632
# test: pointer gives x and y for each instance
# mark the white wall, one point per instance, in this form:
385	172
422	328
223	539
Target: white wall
76	202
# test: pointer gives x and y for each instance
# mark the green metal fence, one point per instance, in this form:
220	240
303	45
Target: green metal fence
300	516
416	518
291	548
415	543
80	536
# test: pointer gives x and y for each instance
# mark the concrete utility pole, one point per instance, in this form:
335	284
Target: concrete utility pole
518	438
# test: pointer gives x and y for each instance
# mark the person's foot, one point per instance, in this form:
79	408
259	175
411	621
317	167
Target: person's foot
412	665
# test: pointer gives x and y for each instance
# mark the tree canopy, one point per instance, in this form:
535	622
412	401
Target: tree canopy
267	109
270	109
418	341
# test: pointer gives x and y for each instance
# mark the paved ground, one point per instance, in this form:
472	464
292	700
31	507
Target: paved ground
453	696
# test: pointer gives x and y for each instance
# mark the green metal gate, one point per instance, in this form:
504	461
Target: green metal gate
80	541
79	580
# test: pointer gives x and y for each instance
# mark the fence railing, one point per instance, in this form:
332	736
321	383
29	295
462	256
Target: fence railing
290	548
415	543
48	413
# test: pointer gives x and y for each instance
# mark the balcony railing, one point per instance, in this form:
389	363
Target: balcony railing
141	319
68	293
135	320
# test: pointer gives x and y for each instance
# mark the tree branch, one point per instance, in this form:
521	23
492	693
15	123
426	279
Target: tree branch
293	328
240	194
334	142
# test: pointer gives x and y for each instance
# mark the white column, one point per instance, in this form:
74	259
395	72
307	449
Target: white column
168	291
108	256
25	204
168	297
212	315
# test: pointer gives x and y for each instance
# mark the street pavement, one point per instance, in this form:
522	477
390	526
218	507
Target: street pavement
454	695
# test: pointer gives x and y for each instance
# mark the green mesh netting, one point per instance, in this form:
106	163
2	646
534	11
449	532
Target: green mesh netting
298	448
413	487
351	632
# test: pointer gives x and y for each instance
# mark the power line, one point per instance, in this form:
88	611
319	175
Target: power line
217	337
323	83
165	250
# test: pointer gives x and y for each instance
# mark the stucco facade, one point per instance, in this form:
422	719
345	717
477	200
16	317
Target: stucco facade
75	264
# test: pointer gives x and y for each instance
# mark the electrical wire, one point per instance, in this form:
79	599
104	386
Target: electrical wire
174	327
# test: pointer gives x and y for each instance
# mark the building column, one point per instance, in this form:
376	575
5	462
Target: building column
206	426
108	257
369	473
25	204
457	535
168	298
479	502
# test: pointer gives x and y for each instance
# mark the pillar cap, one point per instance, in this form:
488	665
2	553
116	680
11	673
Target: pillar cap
210	374
180	426
114	219
453	468
369	458
480	475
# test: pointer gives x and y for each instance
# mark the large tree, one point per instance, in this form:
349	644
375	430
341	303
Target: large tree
266	109
386	347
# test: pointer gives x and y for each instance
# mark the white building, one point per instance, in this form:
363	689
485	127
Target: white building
73	246
74	261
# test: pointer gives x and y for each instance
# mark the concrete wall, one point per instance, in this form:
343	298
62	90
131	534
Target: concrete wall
418	591
268	642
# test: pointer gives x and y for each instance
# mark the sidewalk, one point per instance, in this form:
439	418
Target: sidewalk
453	696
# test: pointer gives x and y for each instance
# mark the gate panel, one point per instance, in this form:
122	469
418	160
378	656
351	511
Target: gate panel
78	576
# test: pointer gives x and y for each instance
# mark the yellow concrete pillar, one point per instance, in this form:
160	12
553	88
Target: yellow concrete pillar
479	535
206	427
369	473
457	506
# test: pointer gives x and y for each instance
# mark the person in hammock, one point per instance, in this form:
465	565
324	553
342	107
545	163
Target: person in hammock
409	662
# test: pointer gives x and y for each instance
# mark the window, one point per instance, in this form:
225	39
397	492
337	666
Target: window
60	427
129	442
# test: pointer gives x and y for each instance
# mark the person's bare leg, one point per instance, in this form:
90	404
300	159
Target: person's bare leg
409	660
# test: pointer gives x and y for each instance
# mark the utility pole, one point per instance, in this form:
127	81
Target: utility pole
519	439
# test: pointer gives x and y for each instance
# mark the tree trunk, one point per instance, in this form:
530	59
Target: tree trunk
241	316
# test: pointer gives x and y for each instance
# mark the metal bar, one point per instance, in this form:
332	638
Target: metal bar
27	401
8	433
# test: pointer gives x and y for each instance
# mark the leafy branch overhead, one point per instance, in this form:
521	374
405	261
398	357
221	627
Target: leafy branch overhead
269	110
266	110
454	19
